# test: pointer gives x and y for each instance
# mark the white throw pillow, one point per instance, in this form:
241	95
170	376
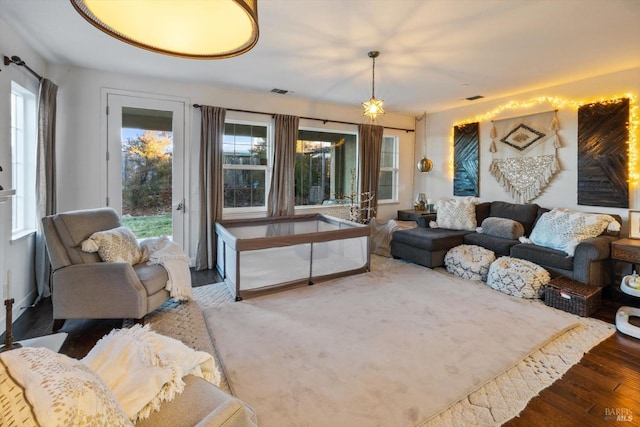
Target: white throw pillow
456	214
115	245
62	391
563	229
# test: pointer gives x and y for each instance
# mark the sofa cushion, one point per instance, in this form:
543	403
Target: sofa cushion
525	214
153	276
497	244
551	258
563	229
430	239
74	227
502	227
483	210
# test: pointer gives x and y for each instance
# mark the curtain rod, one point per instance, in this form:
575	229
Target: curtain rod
19	62
306	118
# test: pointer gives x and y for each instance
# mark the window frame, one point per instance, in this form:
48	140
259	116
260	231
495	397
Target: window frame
357	163
23	160
268	168
395	170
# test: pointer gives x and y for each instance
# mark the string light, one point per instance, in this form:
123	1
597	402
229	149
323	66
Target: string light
633	127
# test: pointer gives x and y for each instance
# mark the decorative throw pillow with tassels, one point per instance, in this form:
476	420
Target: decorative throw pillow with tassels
456	214
563	229
115	245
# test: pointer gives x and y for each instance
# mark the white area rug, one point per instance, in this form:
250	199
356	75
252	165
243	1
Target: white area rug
490	403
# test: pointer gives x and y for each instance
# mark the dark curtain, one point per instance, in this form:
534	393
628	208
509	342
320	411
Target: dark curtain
211	179
370	137
45	179
281	201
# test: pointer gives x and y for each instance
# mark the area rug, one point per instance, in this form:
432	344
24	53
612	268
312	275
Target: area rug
493	403
398	371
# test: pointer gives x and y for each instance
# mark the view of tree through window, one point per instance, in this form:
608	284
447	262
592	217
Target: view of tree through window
245	165
324	168
146	172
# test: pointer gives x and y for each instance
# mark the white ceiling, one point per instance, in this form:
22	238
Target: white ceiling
434	53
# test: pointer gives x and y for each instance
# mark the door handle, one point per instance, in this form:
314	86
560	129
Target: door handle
180	206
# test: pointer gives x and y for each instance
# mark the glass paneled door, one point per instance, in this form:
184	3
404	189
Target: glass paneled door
145	156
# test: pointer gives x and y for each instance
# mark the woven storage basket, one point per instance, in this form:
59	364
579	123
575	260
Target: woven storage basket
572	296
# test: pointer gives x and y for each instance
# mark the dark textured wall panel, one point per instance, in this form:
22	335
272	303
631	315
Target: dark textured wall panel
603	158
465	159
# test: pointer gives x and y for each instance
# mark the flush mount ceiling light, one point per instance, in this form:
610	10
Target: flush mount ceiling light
373	107
196	29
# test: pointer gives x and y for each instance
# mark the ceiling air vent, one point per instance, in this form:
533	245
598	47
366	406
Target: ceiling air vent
280	91
474	97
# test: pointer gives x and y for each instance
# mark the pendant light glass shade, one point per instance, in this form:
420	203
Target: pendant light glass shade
373	107
196	29
425	165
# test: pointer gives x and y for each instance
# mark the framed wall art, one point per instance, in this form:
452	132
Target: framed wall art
634	224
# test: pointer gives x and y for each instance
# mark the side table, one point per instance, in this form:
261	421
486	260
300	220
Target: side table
625	250
413	214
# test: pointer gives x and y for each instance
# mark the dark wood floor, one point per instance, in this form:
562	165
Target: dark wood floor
604	385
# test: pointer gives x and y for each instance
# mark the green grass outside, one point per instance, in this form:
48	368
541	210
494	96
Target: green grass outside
149	226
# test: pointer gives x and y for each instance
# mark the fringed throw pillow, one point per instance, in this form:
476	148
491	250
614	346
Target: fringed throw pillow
564	229
115	245
456	214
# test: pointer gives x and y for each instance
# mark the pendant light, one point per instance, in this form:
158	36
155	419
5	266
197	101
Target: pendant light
425	165
373	107
195	29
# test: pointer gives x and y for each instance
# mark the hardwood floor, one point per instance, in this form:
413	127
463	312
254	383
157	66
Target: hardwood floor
603	389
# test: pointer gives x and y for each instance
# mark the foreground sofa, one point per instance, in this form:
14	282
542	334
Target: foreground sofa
427	246
39	387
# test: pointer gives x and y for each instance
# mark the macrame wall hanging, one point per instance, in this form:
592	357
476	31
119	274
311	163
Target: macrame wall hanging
527	158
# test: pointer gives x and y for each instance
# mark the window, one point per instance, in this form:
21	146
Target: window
245	165
325	169
23	159
388	179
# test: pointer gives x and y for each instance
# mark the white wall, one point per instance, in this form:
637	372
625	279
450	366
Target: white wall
14	255
562	190
80	139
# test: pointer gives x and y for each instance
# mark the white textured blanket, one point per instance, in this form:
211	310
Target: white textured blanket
144	369
170	255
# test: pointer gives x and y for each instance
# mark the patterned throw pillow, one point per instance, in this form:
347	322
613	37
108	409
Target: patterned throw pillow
456	214
115	245
62	391
563	229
